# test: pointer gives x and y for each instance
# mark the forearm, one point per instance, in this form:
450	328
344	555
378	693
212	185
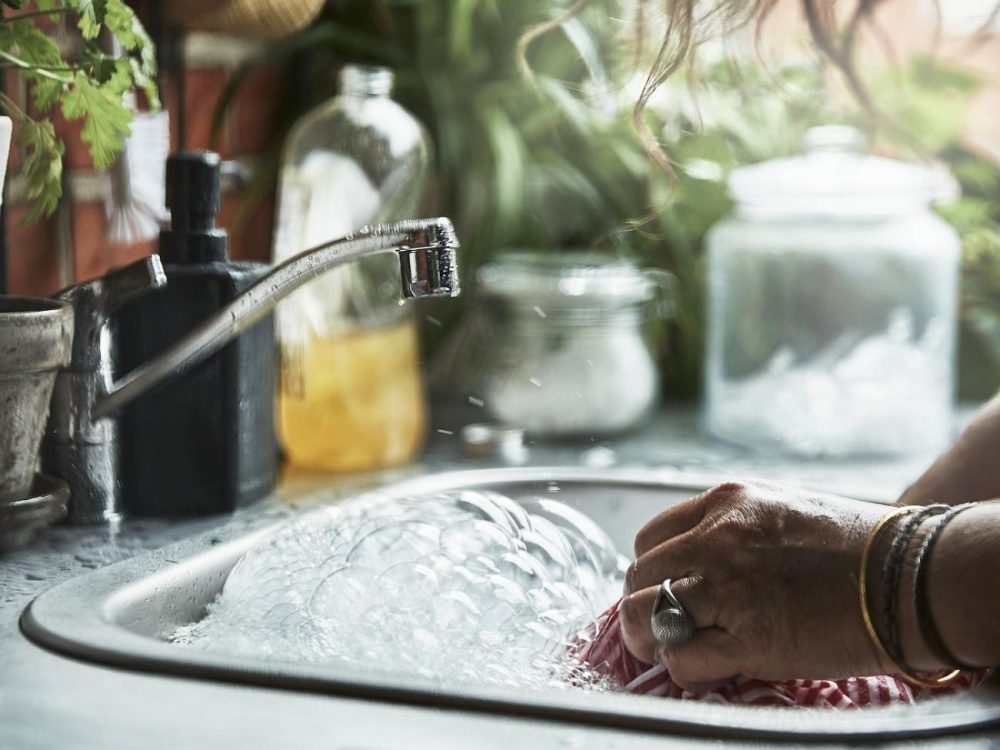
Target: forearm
964	591
969	471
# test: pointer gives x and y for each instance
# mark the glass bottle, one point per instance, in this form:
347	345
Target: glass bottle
351	395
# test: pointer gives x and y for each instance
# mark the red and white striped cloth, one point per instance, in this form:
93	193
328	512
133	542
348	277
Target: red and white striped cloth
606	653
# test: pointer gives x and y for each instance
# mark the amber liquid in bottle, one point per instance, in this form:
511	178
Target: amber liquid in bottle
353	401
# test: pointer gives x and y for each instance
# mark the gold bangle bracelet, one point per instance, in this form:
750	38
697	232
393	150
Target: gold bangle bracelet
908	676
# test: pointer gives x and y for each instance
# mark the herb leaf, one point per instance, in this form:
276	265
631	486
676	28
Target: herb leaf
38	54
107	120
42	165
89	87
92	14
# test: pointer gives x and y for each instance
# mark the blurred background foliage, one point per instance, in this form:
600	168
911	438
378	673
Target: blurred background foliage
552	161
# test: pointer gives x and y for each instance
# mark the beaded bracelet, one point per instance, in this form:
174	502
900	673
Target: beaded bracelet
892	572
913	679
921	593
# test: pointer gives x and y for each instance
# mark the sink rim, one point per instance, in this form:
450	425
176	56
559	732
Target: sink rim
77	618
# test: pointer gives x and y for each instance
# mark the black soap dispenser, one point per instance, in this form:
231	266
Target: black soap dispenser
204	442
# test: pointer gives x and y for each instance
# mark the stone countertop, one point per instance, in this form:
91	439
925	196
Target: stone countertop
49	701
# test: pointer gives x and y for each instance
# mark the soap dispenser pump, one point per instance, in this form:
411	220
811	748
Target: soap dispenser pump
204	443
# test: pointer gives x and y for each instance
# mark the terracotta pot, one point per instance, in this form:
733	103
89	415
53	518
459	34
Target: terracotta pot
35	340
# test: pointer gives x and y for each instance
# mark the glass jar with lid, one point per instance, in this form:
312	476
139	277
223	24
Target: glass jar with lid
832	302
566	349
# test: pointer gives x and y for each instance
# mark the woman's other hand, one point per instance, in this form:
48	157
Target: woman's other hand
769	576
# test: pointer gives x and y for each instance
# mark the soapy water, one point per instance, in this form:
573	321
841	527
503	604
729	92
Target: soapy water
465	586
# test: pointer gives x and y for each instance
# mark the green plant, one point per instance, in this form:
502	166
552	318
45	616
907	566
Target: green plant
549	163
88	87
977	218
552	161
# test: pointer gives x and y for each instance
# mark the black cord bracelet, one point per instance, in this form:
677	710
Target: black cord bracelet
921	590
893	572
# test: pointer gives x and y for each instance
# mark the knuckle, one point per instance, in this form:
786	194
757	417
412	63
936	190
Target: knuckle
645	540
731	488
641	544
730	494
631	576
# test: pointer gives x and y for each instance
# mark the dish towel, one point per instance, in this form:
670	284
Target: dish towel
603	649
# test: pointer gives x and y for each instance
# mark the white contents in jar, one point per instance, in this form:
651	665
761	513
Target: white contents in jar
853	397
594	382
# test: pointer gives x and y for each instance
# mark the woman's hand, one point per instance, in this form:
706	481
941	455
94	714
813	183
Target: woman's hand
769	576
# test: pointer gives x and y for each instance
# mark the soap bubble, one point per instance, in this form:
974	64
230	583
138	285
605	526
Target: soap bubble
467	586
584	535
522	568
467	540
408	585
485	506
395	542
343	592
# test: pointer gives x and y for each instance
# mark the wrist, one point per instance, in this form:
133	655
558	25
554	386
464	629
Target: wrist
962	585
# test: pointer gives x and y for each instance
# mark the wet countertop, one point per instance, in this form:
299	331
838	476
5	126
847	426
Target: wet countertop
50	701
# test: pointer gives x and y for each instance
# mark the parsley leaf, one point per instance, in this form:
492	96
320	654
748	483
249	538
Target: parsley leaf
92	15
37	54
91	86
42	166
107	120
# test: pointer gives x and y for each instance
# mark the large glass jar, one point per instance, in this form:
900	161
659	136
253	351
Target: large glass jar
565	346
351	394
832	301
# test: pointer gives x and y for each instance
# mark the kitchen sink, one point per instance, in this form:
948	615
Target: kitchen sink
121	615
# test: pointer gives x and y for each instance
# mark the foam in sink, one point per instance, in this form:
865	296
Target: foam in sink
459	586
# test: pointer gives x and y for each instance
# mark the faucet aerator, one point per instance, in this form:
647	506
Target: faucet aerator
429	272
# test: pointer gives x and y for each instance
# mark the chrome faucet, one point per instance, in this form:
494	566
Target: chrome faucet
81	441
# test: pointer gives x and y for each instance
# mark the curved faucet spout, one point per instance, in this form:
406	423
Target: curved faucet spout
426	250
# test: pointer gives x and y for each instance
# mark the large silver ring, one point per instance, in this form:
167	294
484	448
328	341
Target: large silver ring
671	623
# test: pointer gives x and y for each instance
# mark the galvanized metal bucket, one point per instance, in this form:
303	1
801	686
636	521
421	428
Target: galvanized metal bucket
36	336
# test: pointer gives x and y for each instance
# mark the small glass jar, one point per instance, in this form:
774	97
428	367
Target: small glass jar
832	302
565	342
